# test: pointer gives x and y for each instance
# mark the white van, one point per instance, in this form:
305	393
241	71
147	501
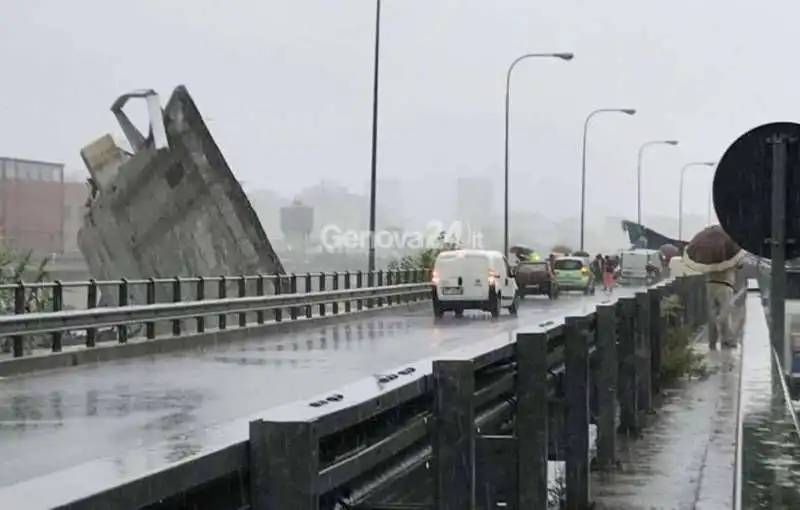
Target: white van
473	280
633	266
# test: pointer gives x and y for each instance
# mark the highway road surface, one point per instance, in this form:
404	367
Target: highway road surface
142	414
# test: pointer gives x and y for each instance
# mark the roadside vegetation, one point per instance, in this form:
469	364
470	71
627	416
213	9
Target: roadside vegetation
18	266
680	359
561	248
427	257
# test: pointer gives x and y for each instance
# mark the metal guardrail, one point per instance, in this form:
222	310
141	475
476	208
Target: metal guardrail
37	323
480	424
168	304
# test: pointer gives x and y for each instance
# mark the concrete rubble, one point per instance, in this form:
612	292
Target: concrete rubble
171	206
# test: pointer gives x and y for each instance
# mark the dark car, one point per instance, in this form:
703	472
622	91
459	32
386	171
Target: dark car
536	277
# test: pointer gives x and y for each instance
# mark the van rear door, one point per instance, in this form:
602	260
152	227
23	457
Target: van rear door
468	272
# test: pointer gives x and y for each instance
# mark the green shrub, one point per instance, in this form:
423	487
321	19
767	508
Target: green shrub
426	258
17	266
679	358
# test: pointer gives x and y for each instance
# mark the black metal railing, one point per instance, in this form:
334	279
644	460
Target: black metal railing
421	437
32	300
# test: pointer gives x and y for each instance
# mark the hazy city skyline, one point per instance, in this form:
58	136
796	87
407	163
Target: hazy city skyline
286	88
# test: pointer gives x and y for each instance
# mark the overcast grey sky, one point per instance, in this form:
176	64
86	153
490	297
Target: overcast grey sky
287	84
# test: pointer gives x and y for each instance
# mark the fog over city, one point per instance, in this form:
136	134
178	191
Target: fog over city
286	88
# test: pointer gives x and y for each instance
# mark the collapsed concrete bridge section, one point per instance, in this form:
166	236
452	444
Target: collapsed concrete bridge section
171	206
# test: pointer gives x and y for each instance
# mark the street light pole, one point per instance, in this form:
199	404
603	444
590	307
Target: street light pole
627	111
639	174
563	56
373	185
680	193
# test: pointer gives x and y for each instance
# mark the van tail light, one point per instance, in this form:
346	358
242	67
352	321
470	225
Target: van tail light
435	278
493	277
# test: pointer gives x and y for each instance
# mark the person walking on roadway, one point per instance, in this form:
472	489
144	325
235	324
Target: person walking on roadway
721	291
713	253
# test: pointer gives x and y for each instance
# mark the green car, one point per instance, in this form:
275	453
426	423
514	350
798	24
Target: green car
572	273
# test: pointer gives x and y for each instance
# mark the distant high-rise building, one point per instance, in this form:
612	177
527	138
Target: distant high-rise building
474	202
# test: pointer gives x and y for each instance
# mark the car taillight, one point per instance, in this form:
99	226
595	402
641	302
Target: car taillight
435	278
493	277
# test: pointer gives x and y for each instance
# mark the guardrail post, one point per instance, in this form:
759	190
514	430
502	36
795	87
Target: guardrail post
278	291
628	384
150	298
335	306
309	290
703	298
379	283
398	278
242	288
200	295
607	386
322	306
679	289
176	298
18	341
531	420
359	285
58	305
284	465
643	351
655	296
687	291
347	304
260	293
453	437
91	302
390	280
576	392
689	298
293	290
370	284
122	298
222	293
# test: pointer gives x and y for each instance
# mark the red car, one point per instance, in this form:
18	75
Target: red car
536	278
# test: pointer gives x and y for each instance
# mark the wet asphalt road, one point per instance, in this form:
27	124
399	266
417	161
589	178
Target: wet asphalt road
165	406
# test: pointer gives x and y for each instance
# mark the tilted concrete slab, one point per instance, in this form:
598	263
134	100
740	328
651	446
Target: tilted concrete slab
171	208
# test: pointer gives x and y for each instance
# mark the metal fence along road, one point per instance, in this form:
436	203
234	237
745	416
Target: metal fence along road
213	303
213	395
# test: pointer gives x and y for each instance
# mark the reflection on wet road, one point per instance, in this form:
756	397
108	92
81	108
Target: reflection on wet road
52	422
770	445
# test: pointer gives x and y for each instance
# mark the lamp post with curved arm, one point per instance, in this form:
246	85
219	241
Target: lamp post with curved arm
563	56
639	173
680	193
627	111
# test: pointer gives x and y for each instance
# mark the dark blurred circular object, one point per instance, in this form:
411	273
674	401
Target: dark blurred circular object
743	189
580	253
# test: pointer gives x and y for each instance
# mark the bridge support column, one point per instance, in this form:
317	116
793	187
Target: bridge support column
657	329
607	385
531	420
284	466
642	328
576	390
454	435
628	376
